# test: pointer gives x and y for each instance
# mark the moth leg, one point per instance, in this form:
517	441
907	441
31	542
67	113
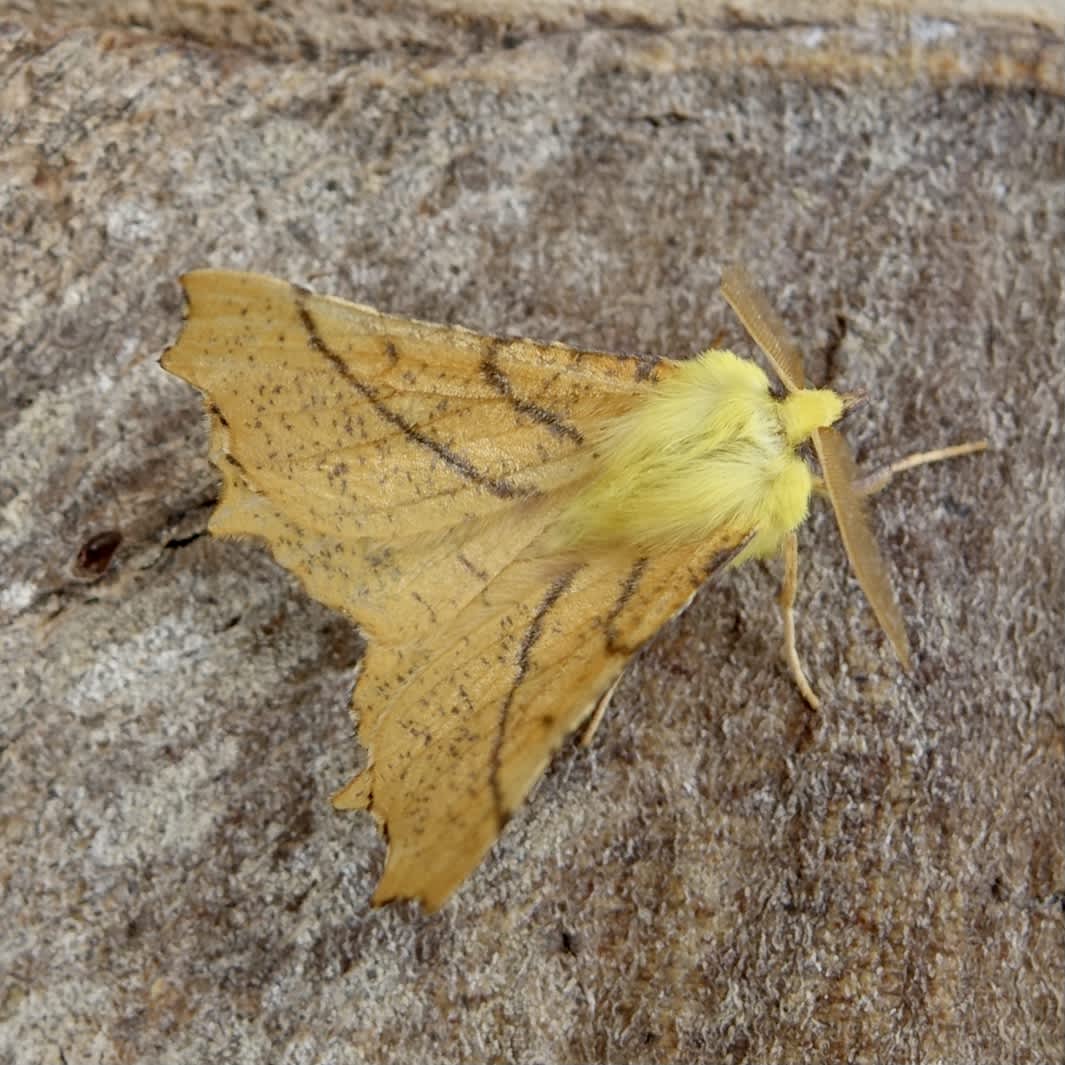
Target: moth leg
876	481
597	715
787	610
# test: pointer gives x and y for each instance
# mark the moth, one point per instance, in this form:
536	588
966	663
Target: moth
506	521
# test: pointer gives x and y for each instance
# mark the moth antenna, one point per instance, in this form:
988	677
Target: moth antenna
840	478
764	324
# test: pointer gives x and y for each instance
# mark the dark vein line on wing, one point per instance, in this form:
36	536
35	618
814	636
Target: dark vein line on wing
529	641
498	486
614	645
213	408
553	422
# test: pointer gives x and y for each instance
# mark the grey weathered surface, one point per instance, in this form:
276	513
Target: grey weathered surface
723	876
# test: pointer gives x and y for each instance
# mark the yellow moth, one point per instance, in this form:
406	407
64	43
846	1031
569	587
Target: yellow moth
506	521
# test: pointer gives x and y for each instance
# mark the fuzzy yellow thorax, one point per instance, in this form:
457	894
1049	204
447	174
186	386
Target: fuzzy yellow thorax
709	454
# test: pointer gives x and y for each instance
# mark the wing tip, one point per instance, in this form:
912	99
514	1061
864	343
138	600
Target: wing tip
421	887
194	284
179	358
429	905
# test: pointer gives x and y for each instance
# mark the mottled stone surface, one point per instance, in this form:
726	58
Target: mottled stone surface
723	876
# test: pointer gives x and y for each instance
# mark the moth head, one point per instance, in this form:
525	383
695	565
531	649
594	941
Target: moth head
807	410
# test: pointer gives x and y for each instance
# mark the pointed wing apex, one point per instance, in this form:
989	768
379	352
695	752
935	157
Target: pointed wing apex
764	324
839	472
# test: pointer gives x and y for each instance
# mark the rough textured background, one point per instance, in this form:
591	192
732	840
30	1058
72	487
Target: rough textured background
723	876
